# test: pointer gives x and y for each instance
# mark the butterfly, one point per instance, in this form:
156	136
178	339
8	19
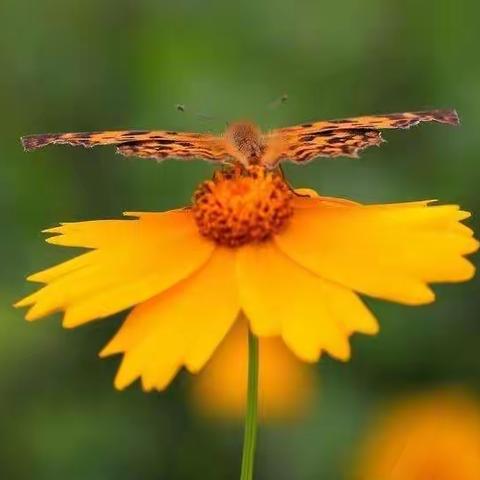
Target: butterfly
243	142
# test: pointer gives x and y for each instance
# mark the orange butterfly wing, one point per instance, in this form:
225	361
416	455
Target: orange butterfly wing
156	144
346	137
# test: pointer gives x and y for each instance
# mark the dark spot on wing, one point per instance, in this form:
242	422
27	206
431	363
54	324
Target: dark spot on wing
301	151
402	123
134	132
396	116
31	142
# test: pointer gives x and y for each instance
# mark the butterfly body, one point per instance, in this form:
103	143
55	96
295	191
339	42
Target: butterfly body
243	142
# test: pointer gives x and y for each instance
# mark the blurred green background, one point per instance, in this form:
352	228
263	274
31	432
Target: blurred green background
90	65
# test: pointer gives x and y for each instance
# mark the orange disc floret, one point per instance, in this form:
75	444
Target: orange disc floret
242	206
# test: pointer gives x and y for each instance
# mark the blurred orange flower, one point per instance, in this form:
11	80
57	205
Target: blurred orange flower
292	262
434	436
285	384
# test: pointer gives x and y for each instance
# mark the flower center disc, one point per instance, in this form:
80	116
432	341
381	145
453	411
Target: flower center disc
244	205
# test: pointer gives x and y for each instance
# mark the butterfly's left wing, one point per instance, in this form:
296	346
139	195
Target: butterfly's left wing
156	144
346	137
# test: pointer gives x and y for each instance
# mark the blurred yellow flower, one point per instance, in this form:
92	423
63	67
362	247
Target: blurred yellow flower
434	436
285	384
293	263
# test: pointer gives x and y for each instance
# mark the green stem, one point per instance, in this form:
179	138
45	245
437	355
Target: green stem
250	437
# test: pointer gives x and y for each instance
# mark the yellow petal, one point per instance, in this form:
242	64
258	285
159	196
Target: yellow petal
53	273
386	251
150	255
105	233
181	326
91	233
311	314
308	198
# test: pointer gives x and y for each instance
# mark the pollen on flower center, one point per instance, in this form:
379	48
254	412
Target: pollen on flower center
242	205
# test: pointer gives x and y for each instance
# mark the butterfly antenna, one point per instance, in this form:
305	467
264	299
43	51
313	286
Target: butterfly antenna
278	102
272	106
180	107
206	117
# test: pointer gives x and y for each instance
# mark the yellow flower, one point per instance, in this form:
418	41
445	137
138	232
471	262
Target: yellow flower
285	384
293	263
434	436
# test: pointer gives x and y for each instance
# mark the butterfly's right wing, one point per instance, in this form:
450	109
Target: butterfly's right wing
345	137
156	144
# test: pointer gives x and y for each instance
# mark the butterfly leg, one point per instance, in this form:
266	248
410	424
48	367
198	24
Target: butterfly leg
280	171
